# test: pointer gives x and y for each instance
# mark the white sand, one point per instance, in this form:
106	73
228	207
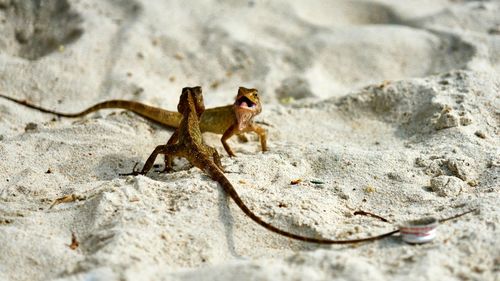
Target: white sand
423	143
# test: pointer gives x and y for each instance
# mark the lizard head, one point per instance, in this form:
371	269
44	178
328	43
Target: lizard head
191	99
246	106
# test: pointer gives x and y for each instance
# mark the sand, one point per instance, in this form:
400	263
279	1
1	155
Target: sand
393	106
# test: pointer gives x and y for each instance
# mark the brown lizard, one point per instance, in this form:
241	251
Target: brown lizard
189	144
236	118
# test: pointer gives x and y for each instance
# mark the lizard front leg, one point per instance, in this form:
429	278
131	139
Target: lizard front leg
261	132
168	150
174	139
227	134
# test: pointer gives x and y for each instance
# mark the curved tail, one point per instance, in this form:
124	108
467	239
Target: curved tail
217	175
162	116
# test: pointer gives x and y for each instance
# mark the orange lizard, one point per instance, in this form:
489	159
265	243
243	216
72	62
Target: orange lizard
229	120
188	143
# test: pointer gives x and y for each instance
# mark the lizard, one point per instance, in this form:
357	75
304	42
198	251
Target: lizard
229	120
189	144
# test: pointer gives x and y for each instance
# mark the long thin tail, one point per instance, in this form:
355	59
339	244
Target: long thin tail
162	116
217	175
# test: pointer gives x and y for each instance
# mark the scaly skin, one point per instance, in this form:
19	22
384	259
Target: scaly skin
189	144
226	120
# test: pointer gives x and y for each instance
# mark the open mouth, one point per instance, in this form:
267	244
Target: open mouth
245	102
